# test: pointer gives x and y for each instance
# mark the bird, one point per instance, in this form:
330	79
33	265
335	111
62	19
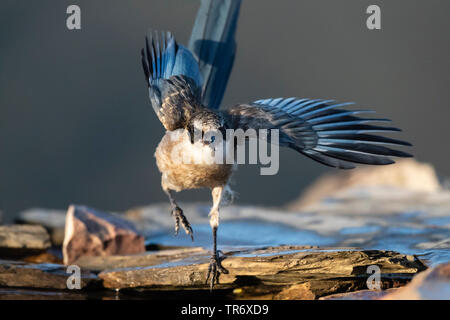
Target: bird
186	86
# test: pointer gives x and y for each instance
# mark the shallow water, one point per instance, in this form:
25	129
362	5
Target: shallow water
244	233
407	224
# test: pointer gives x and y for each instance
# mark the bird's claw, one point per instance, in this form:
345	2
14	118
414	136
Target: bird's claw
179	217
214	270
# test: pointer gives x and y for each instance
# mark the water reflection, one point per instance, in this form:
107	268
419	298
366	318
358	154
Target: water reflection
429	241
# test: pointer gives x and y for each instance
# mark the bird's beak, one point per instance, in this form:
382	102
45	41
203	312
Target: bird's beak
209	141
211	136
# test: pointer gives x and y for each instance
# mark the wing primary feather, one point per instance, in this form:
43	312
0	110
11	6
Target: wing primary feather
172	74
381	129
323	131
369	138
312	106
338	114
326	160
365	148
304	105
285	102
357	139
291	106
158	57
145	66
326	108
354	156
346	123
162	53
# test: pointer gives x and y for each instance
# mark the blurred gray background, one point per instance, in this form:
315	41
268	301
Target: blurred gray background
76	125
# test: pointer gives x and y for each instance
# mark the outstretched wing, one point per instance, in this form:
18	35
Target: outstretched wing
213	44
173	79
321	130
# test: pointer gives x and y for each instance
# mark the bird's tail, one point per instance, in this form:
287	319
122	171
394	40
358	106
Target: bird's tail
163	58
213	43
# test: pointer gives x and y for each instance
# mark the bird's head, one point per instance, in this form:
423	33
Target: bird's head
206	125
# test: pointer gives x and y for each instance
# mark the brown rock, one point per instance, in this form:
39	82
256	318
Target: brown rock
89	232
433	284
139	260
22	240
50	276
405	174
297	292
285	272
51	219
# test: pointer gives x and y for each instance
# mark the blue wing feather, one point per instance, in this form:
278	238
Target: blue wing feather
323	131
173	78
168	59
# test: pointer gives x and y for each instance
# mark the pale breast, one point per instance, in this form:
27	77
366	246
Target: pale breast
188	166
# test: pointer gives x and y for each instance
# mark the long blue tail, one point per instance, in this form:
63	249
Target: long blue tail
213	43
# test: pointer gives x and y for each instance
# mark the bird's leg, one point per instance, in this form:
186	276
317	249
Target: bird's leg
178	215
215	266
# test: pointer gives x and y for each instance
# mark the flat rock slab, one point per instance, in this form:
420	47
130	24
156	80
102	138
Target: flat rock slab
147	259
285	272
374	218
51	219
21	240
50	276
89	232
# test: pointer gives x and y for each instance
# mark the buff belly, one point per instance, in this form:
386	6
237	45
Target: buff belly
184	165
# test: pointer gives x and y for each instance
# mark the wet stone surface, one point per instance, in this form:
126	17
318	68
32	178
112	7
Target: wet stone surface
90	232
44	275
409	222
286	272
319	252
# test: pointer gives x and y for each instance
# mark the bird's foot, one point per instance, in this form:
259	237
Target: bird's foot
179	217
215	269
